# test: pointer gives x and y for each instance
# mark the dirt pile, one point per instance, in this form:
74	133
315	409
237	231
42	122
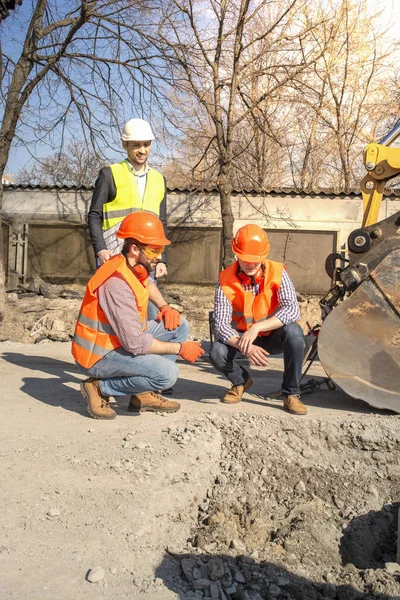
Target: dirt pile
299	510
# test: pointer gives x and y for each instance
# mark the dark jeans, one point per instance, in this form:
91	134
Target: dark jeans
288	339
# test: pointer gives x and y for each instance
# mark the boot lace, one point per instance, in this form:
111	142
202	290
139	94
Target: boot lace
159	397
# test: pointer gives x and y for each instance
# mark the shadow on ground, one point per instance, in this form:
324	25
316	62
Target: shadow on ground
266	387
55	390
369	541
192	386
244	578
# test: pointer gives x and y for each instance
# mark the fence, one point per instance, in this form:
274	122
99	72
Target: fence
303	229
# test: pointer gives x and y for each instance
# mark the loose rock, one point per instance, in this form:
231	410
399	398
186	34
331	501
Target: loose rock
95	575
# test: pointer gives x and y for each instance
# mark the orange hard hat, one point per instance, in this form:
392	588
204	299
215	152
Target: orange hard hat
144	227
251	243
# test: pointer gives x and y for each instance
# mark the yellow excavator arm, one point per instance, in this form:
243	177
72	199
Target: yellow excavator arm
359	340
382	163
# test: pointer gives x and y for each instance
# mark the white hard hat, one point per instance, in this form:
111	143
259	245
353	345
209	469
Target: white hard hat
137	130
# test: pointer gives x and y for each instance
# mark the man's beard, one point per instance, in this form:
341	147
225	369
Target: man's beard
150	266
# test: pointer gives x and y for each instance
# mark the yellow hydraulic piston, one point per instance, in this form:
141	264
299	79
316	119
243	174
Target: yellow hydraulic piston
382	164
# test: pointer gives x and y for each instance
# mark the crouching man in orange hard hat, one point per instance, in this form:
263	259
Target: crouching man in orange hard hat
113	344
255	311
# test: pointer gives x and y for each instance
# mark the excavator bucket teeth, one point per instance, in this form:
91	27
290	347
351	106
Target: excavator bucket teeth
359	341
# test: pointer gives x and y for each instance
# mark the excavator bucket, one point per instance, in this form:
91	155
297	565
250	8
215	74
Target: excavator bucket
359	342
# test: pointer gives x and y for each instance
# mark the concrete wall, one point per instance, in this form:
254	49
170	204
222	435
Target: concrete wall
303	230
60	251
279	211
48	205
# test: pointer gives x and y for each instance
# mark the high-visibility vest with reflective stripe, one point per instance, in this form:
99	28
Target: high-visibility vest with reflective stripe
248	309
94	336
127	199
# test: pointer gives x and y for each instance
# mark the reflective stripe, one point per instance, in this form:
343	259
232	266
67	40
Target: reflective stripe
90	347
115	214
96	325
241	316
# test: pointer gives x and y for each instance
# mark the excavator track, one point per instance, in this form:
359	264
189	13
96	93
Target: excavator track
359	342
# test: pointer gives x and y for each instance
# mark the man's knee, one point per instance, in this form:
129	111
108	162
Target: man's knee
293	333
218	354
168	375
172	376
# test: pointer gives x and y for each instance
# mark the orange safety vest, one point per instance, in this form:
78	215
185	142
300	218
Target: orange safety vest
94	336
248	309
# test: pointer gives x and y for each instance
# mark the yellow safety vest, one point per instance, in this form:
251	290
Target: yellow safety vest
128	198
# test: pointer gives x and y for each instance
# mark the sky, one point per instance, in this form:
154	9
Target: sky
20	156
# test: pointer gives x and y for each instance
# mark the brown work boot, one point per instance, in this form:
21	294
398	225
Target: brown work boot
236	392
294	405
98	404
152	401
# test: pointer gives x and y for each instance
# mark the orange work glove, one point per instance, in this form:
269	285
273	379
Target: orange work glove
191	351
172	317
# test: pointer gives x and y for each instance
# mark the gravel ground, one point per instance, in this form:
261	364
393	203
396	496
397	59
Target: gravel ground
244	502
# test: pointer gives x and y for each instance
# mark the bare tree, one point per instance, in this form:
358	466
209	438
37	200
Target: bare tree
80	63
343	98
6	6
78	166
212	47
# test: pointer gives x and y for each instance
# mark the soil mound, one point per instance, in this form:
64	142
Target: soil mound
305	510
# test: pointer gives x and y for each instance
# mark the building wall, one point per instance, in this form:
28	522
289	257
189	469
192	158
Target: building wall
303	230
60	252
279	211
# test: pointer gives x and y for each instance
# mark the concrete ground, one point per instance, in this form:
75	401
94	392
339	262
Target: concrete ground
80	493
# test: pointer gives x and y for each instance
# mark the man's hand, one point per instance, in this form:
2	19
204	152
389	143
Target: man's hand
172	318
247	339
161	270
191	351
257	356
103	256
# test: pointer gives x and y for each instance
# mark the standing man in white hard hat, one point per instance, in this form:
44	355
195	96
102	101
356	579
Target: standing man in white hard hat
126	187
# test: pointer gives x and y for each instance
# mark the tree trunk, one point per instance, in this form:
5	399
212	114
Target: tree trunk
2	269
225	188
4	153
345	166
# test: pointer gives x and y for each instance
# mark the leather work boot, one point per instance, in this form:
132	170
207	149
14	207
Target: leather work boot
98	404
236	392
152	401
294	405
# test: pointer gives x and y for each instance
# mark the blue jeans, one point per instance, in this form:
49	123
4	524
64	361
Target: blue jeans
288	339
123	374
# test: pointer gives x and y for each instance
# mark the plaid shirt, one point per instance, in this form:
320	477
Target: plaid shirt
287	312
118	303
